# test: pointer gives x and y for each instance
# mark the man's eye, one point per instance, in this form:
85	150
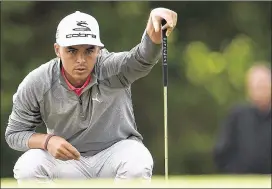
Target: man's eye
89	51
71	51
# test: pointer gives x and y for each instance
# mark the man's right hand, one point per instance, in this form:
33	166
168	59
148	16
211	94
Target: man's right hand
61	149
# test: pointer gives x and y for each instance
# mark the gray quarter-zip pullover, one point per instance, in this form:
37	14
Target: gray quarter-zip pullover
98	118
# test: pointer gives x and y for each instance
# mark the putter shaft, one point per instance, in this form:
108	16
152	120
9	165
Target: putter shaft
165	133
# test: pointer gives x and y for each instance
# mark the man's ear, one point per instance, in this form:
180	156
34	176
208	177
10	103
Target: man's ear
57	49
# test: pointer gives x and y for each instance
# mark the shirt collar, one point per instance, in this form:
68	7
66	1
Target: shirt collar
93	78
70	85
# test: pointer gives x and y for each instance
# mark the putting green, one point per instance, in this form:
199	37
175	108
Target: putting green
205	181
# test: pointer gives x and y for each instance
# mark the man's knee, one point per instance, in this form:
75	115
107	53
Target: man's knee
138	164
137	170
33	164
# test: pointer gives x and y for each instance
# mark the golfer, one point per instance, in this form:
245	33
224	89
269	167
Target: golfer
83	98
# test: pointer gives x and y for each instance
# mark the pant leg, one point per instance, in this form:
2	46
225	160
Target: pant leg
127	159
38	165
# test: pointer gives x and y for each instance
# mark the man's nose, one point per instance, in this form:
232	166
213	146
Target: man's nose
81	58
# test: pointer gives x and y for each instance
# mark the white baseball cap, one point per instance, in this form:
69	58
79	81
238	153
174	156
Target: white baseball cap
78	28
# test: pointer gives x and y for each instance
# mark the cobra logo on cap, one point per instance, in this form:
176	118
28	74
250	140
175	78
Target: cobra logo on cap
83	26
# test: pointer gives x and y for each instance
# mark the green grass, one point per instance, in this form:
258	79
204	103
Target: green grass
205	181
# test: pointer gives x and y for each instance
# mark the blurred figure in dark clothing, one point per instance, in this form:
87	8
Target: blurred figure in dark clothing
244	143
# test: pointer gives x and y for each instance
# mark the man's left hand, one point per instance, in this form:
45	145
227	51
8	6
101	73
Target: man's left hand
154	27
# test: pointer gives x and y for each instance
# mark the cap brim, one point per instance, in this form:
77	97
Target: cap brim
80	42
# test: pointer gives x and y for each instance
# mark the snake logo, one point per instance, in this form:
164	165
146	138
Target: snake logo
83	25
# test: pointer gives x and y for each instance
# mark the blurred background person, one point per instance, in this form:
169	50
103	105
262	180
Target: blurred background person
244	143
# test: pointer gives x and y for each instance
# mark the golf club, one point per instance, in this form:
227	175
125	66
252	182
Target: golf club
165	83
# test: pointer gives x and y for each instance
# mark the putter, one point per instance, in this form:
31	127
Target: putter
165	83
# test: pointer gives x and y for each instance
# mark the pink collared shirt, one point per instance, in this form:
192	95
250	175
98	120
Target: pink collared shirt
78	91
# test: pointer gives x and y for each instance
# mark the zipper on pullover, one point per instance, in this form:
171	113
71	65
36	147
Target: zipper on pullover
81	107
80	101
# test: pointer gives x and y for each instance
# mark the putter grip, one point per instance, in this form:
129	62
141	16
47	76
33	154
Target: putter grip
164	55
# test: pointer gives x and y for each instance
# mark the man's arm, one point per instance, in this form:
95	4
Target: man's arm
225	148
123	68
25	117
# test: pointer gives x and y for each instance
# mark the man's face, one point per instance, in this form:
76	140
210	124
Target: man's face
78	61
259	86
